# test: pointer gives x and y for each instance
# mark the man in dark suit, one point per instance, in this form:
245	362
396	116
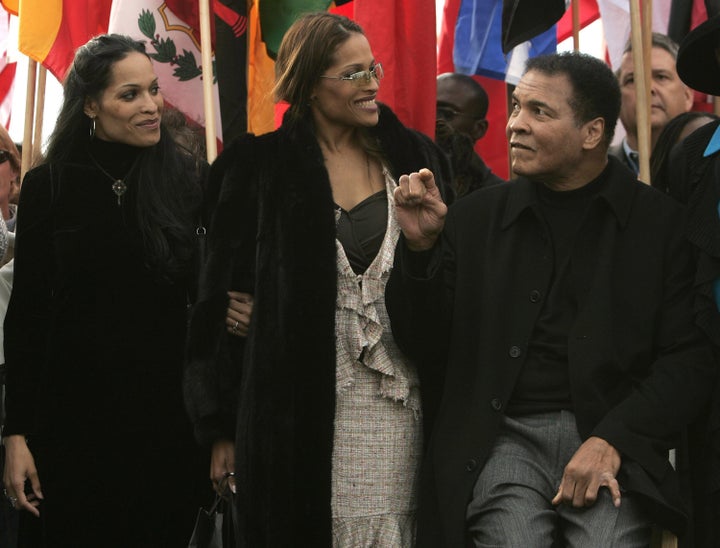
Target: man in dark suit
669	96
561	304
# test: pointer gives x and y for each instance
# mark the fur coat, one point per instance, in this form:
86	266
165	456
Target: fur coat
272	234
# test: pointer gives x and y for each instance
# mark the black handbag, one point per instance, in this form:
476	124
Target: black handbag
213	527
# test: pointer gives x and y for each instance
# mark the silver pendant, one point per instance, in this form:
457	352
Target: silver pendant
119	188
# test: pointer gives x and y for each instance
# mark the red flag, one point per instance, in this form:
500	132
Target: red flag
589	12
402	36
51	30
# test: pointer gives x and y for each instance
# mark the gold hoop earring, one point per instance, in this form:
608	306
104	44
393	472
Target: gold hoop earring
92	128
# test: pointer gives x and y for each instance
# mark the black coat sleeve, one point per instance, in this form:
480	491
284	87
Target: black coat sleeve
213	357
29	310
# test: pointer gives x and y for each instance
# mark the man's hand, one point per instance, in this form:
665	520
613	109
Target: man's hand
595	464
419	209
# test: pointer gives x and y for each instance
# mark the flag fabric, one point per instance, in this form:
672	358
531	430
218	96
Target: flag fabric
276	16
589	12
685	15
618	33
49	31
402	35
231	26
261	77
7	70
523	20
478	42
174	48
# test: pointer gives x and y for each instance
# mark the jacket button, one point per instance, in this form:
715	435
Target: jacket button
534	296
470	465
496	404
515	352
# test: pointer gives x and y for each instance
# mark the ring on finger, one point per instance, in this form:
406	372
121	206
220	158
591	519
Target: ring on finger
11	499
235	327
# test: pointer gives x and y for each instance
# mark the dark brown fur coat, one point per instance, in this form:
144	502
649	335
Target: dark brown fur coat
272	233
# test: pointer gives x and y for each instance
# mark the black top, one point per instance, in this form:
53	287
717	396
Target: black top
544	383
362	229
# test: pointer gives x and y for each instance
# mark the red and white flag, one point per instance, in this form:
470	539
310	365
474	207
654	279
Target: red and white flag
616	17
7	70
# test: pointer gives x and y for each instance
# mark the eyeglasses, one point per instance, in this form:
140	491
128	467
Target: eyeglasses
448	114
361	78
4	156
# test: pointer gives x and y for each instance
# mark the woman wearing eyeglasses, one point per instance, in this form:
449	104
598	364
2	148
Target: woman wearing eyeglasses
317	411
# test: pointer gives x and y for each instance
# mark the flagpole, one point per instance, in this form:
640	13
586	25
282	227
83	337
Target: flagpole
207	75
576	24
642	91
26	160
39	112
646	16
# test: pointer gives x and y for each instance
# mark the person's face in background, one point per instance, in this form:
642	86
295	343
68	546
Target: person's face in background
345	103
129	110
9	173
8	178
669	96
456	107
15	189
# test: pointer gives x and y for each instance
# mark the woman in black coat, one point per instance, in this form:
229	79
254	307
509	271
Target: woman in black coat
99	448
316	411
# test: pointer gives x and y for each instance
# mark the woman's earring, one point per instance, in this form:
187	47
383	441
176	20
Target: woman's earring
92	128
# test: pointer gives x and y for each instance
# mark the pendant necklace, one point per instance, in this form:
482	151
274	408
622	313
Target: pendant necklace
118	187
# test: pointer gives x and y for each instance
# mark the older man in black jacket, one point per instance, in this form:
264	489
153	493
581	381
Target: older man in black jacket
562	305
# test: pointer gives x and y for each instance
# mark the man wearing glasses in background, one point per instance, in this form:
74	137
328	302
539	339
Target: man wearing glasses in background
462	105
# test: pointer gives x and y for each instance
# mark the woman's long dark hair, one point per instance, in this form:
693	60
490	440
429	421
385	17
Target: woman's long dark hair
168	185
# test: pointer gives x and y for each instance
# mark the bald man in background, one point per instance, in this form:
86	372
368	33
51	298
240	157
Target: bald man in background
461	107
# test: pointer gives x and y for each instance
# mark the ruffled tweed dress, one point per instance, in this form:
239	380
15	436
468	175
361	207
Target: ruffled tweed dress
378	423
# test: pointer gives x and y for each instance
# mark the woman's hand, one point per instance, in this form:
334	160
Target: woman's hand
419	209
19	467
239	313
222	466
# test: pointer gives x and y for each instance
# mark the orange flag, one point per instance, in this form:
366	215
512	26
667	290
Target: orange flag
261	77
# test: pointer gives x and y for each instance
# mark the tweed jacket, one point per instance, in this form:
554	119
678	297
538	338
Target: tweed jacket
639	368
272	234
